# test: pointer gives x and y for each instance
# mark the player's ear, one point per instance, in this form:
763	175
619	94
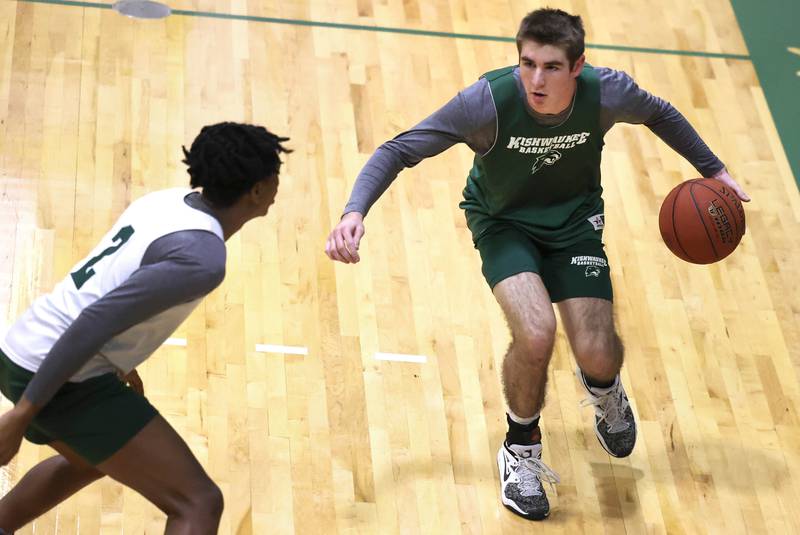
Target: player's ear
257	191
578	67
262	189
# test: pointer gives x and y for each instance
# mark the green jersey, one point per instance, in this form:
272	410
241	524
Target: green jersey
544	180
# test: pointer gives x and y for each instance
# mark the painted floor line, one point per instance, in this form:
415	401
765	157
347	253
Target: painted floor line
394	30
286	350
181	342
399	357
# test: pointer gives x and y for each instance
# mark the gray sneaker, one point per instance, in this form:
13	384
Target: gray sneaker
614	423
521	474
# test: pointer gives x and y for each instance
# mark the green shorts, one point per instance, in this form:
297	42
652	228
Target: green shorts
95	418
579	270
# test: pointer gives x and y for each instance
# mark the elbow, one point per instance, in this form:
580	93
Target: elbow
215	277
206	281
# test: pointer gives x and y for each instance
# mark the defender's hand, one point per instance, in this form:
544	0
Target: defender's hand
12	428
134	381
343	241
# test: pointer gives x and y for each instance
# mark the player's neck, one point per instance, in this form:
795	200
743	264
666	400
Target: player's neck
231	219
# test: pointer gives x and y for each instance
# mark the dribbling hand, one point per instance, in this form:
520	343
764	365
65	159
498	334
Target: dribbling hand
343	241
723	176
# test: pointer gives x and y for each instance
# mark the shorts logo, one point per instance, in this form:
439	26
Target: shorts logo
598	221
594	261
592	271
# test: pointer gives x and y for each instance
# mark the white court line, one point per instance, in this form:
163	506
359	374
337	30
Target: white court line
399	357
286	350
6	476
175	342
7	471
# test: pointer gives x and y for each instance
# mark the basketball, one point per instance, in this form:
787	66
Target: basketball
701	221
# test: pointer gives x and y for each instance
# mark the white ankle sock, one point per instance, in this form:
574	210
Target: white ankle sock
520	420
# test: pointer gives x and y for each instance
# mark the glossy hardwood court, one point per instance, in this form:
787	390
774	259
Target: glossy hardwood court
94	108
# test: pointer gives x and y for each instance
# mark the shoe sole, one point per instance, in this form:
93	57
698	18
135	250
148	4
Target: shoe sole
527	517
508	504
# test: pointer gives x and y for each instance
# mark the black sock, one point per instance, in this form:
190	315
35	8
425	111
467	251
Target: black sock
521	434
594	383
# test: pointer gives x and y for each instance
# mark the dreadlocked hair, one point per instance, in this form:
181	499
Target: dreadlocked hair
228	159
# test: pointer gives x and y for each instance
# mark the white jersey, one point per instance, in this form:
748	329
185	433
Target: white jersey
118	255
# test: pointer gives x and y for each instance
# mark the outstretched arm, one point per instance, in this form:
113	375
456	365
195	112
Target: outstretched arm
623	101
468	118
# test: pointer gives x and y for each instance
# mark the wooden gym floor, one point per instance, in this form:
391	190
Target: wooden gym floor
93	110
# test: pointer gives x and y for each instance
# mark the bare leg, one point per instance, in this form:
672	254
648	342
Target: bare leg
44	486
526	305
159	465
598	350
589	323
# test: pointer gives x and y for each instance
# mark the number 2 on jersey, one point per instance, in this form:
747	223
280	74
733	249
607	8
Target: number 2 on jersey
86	272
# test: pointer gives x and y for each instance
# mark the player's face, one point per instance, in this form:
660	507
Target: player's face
265	193
548	80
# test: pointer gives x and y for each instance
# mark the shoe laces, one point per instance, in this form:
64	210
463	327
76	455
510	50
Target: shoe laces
611	408
532	471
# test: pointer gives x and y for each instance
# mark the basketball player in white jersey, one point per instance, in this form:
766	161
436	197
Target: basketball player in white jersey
62	361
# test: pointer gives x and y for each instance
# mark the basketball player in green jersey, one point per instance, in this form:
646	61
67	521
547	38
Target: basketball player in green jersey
533	203
61	362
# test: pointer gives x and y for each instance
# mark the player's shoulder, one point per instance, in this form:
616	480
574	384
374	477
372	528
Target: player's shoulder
191	249
206	253
475	95
214	263
612	77
162	196
163	202
496	74
480	89
616	87
208	249
477	87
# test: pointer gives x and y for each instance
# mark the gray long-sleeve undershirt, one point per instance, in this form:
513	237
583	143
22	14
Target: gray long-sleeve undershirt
176	268
470	118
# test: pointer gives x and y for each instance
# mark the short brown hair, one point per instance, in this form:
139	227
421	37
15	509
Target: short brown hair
548	26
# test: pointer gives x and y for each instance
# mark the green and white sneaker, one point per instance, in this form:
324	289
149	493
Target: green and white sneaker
521	474
614	423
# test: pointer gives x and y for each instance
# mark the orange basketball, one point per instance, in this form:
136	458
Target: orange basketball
701	221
